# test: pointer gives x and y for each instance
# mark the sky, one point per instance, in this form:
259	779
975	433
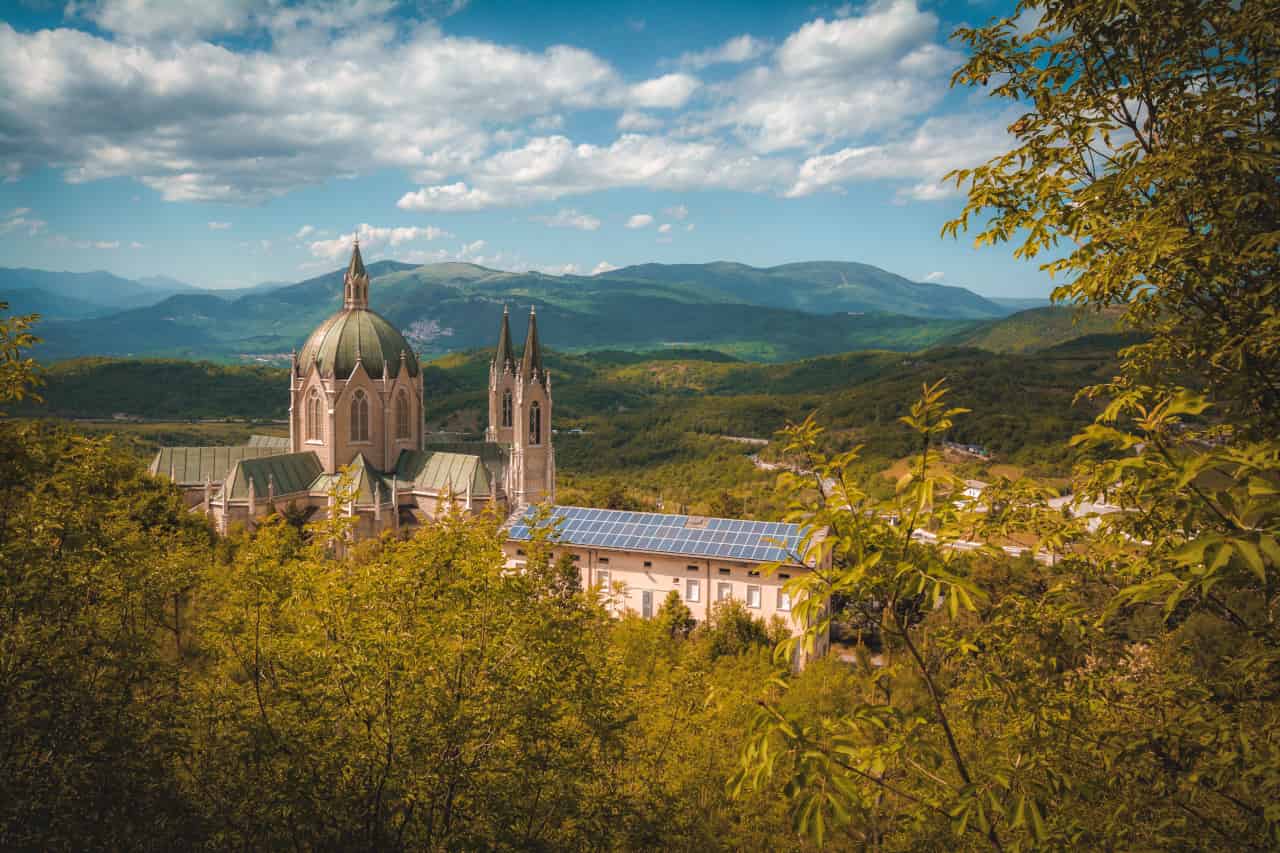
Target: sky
230	142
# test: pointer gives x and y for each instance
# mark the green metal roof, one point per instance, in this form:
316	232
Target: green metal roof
193	466
364	478
357	334
439	471
291	473
280	441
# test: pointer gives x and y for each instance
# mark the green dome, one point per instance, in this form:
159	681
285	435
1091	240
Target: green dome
356	334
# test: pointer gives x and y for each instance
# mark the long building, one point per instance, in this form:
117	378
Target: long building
357	408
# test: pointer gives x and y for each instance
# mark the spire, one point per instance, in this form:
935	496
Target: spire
532	361
504	355
356	282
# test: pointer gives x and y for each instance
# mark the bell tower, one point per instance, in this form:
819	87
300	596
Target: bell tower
533	457
503	372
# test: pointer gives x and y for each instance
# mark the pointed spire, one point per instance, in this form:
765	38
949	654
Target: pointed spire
531	364
356	281
504	356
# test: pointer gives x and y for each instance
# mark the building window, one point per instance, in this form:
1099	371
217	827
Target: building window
535	423
360	417
724	591
506	408
784	600
725	571
646	604
604	559
519	552
402	415
692	590
753	597
315	417
692	568
602	578
648	564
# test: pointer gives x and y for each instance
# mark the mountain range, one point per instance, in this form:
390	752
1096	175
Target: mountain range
771	314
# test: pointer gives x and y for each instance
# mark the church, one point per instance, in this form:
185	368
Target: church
356	402
356	405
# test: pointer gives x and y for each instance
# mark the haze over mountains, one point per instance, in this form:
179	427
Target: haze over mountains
779	313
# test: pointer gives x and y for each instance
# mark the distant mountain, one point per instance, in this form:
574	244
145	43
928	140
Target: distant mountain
448	307
819	287
86	293
1039	329
165	284
51	306
1020	303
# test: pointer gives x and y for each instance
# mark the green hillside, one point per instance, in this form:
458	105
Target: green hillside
1037	329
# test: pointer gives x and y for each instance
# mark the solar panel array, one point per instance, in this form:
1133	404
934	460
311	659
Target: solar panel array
762	541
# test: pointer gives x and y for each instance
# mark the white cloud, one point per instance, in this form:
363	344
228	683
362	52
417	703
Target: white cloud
602	267
689	227
304	232
219	226
677	212
19	219
634	120
136	245
374	238
560	269
447	197
640	220
569	218
669	91
150	18
743	48
935	276
936	147
552	167
664	228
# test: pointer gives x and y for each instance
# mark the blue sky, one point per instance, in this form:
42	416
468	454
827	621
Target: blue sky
228	142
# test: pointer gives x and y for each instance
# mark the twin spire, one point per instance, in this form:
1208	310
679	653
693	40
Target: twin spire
355	284
505	358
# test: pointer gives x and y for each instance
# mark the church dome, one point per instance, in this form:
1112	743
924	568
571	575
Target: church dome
357	335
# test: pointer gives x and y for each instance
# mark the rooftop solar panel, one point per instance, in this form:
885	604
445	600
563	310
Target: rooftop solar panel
665	533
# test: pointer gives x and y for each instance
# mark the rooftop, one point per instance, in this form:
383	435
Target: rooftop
694	536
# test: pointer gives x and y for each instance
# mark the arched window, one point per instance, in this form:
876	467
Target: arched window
402	415
359	417
315	416
506	408
535	424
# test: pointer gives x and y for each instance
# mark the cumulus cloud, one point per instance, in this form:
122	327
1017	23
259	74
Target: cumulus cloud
375	238
640	220
219	226
304	232
743	48
936	147
560	269
244	100
677	212
664	228
935	276
569	218
550	167
247	125
602	267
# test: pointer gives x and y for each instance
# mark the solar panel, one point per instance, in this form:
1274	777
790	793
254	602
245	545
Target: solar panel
665	533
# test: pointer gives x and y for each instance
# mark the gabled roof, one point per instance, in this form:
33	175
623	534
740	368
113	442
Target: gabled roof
291	473
440	471
532	359
193	466
280	441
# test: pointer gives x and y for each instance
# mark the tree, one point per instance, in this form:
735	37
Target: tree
675	617
1148	146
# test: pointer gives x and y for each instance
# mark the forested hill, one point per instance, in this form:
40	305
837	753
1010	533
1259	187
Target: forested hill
776	314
